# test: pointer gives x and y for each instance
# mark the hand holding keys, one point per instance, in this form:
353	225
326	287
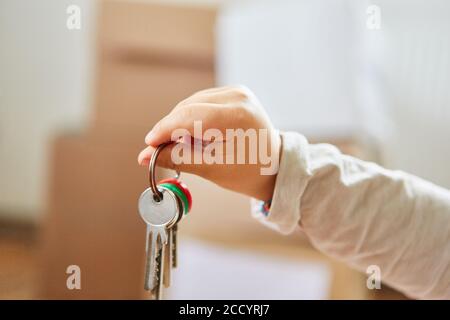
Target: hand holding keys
161	207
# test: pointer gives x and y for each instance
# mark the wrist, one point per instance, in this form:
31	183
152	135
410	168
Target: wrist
266	185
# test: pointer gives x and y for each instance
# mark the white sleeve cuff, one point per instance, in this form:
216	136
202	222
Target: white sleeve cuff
293	176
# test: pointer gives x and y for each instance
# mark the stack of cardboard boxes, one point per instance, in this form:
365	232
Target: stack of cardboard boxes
149	58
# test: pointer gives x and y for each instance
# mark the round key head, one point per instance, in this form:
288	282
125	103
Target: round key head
181	204
182	187
162	213
179	193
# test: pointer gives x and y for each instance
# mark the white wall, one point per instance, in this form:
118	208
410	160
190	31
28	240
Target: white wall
319	70
414	72
299	59
45	72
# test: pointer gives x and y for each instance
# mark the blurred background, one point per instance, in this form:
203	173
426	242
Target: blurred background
371	77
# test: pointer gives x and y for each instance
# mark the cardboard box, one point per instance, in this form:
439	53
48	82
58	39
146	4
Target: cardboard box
184	31
150	58
137	95
93	221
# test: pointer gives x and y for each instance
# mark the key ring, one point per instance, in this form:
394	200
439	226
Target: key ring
157	195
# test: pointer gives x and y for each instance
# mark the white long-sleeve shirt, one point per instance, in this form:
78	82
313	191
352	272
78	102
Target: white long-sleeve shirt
363	214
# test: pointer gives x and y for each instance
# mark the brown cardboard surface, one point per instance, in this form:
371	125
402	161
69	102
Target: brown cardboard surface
130	95
180	30
93	221
149	58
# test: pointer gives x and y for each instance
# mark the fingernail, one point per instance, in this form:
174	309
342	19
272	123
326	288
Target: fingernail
143	163
149	137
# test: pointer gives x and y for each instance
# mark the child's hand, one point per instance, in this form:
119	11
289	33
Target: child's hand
221	108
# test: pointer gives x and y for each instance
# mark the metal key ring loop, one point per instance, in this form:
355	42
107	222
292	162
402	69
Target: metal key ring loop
158	196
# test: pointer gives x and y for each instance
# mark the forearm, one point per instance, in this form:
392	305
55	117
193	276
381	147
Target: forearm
365	215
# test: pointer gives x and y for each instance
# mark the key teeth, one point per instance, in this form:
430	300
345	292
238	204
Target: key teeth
152	271
158	240
157	275
158	265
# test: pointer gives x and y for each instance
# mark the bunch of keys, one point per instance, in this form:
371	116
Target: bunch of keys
162	206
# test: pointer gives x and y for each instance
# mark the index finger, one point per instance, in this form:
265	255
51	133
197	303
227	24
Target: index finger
209	115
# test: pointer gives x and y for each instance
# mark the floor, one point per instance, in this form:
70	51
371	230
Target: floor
17	261
18	267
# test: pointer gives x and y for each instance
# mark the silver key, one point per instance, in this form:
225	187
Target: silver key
159	217
168	260
174	246
154	261
170	252
174	233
